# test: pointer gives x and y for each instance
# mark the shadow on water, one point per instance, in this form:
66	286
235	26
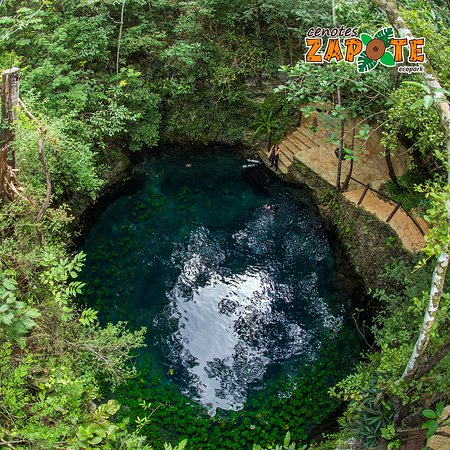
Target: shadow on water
239	300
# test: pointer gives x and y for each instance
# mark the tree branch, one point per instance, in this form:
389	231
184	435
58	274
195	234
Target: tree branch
120	37
6	444
48	181
431	363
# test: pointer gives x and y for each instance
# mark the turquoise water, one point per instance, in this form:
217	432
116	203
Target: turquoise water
232	294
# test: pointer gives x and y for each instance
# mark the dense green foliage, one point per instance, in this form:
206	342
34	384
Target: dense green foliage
194	71
187	71
380	402
184	72
395	330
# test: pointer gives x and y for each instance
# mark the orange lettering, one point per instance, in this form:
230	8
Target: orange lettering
354	48
416	53
398	46
333	51
314	46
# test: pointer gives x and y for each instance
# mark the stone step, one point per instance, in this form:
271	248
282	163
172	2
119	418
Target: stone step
288	149
284	161
283	165
285	158
263	156
296	145
376	184
305	136
354	195
320	134
298	142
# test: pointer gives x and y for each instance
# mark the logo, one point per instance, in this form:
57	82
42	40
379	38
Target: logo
366	51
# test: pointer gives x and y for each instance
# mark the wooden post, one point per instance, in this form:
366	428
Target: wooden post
364	194
10	97
393	213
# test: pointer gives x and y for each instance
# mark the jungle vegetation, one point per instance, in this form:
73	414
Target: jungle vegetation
104	80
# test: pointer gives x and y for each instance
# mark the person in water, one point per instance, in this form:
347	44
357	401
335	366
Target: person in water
272	208
274	156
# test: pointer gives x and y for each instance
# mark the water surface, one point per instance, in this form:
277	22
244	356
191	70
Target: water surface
231	293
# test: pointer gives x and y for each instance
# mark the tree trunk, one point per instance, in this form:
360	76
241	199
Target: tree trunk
404	415
396	79
431	362
437	289
10	95
350	172
48	180
341	148
440	271
339	102
120	37
391	171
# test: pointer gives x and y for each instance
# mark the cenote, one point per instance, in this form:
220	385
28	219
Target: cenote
247	327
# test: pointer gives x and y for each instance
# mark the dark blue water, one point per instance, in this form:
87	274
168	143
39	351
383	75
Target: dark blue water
230	292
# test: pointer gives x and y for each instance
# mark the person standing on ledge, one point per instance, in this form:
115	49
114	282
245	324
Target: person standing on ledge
274	156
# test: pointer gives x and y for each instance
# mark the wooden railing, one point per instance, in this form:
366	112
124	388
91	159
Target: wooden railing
398	205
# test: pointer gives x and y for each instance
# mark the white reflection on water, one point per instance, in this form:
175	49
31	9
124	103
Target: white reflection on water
229	327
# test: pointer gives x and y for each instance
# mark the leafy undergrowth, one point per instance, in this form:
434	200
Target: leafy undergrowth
405	193
295	404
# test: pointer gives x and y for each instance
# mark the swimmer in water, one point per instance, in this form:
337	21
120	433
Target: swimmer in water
273	208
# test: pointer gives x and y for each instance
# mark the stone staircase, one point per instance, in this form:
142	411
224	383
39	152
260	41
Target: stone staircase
315	151
290	147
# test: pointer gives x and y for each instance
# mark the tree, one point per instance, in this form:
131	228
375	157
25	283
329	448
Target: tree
442	262
10	97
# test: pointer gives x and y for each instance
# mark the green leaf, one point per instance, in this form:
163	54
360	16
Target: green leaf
10	284
387	59
111	429
101	432
429	413
385	34
108	409
432	428
442	90
364	63
417	104
7	318
365	38
422	86
427	101
28	323
33	313
95	440
287	439
439	409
